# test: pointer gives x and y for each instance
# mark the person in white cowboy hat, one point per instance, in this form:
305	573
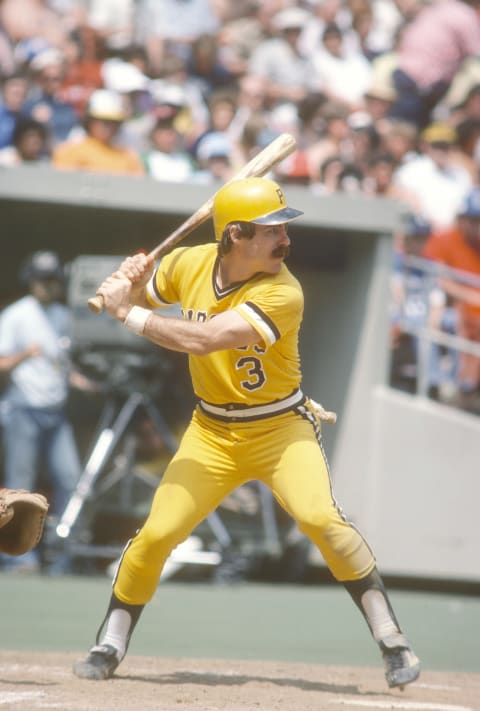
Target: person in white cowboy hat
99	151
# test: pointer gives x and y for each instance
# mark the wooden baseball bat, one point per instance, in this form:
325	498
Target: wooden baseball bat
260	165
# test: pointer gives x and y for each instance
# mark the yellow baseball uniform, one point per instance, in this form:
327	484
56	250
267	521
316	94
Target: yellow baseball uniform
252	422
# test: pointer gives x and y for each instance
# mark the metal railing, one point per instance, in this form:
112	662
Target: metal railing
430	275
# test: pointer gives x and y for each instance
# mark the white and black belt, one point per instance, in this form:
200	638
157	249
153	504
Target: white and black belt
233	412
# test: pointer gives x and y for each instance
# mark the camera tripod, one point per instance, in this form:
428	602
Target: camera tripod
113	426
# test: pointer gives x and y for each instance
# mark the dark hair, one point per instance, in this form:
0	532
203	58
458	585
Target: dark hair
246	229
331	29
24	125
377	158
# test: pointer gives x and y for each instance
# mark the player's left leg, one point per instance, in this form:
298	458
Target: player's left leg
301	483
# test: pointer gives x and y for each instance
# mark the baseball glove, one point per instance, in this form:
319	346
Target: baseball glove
22	519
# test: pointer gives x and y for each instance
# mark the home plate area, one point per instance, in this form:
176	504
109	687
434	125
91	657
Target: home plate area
45	681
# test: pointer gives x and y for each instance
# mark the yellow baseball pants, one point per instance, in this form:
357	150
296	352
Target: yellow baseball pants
213	459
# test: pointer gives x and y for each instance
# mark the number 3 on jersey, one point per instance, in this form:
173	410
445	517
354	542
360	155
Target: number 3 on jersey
254	370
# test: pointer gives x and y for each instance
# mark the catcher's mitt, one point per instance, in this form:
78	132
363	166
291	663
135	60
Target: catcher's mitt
22	518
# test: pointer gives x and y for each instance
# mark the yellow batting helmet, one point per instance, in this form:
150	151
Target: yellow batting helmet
257	200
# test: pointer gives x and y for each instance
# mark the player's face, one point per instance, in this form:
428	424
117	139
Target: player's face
267	249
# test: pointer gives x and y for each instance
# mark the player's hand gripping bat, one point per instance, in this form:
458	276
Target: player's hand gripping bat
262	163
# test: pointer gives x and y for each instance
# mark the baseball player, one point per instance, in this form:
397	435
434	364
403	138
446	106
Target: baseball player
242	311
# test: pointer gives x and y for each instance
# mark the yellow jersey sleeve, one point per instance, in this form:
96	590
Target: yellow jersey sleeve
273	311
163	287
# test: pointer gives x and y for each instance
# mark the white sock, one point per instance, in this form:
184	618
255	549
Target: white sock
378	614
116	631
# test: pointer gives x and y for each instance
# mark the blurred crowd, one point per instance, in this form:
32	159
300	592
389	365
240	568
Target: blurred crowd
383	97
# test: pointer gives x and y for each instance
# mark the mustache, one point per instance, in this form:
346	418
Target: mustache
281	251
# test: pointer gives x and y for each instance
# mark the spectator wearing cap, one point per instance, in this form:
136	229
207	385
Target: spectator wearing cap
431	51
46	104
215	156
439	182
279	61
364	138
126	79
379	97
459	248
35	334
99	151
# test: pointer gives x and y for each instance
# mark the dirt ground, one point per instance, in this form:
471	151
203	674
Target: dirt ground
44	681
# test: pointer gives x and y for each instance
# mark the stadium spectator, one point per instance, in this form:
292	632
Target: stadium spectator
399	138
459	248
84	54
324	13
214	158
364	139
335	138
468	143
431	51
14	94
437	181
278	60
343	75
418	303
30	144
98	151
205	66
113	21
31	25
45	103
250	101
221	106
169	27
328	176
167	158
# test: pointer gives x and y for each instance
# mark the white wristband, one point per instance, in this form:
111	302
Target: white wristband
136	319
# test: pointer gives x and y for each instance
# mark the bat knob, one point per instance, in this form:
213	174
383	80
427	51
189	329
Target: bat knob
95	304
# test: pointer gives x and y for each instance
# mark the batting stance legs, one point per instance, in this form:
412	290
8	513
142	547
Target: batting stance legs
213	459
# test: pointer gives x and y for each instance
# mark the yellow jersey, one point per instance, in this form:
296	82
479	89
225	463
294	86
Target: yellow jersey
272	304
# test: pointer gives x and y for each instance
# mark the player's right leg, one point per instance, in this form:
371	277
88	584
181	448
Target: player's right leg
199	477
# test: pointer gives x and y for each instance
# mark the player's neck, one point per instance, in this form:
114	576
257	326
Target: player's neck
230	271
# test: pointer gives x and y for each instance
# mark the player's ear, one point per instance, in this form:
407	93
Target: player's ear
234	232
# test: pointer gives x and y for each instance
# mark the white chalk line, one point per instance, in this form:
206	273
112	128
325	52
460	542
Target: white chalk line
436	687
409	705
14	697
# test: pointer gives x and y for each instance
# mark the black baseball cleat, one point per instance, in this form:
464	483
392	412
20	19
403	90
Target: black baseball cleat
100	663
402	666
